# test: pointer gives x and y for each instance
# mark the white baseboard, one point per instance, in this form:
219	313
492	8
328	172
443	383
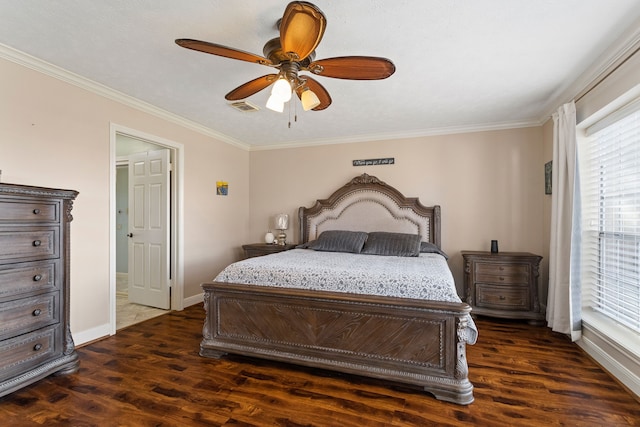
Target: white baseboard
92	334
196	299
614	365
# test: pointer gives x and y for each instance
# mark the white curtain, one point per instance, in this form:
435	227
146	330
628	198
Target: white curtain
563	304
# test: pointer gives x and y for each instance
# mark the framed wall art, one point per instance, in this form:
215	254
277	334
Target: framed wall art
547	177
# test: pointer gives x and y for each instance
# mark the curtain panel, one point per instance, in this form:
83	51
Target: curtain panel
564	297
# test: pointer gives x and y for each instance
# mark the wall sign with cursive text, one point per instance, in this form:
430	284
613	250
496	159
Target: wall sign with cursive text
374	162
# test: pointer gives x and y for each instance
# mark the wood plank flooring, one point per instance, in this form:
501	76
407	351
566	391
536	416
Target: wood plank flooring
150	374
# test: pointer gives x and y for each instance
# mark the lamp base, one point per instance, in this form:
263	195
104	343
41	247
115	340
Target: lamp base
282	238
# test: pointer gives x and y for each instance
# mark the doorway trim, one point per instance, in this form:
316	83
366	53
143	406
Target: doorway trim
177	223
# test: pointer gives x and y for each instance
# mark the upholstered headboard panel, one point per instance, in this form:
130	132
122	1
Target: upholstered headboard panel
368	204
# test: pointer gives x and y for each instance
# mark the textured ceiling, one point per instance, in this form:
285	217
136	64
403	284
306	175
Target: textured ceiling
460	64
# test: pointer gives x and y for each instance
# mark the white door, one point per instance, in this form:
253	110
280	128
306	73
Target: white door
149	229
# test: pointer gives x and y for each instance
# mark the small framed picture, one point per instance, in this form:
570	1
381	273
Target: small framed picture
222	188
548	167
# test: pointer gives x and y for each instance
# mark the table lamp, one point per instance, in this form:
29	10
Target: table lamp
282	223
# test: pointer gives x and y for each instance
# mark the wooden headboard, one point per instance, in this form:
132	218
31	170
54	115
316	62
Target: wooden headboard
367	204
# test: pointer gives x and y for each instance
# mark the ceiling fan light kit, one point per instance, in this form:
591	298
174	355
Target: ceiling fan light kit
281	89
309	99
301	29
274	104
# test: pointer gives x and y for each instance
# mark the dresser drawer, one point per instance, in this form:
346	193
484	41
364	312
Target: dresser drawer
28	314
28	212
20	244
29	277
504	298
502	273
20	354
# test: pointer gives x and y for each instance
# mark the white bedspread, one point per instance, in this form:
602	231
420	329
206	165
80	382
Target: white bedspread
426	277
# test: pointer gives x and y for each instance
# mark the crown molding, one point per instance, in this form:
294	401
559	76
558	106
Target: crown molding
66	76
452	130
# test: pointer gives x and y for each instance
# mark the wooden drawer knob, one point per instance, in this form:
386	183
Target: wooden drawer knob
37	347
37	312
36	211
37	243
37	277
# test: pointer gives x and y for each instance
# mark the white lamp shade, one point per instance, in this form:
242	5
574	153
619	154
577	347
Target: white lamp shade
273	103
282	222
309	100
281	90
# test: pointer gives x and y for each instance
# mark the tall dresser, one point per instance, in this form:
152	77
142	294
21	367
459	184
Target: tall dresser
35	337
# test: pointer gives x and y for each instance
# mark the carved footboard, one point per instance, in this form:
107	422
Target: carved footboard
404	340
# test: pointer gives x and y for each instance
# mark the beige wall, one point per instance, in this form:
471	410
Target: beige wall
490	185
56	134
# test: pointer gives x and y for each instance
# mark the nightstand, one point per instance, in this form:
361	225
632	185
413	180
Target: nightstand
503	284
260	249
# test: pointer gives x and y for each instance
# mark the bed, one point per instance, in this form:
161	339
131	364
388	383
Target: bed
274	307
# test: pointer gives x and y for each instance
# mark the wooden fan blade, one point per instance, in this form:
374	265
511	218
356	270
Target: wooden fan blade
319	90
301	29
219	50
249	88
353	68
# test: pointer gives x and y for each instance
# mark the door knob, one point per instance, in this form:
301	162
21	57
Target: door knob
130	235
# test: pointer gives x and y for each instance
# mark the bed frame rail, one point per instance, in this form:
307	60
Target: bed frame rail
402	340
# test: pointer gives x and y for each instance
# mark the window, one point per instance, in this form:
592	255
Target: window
610	179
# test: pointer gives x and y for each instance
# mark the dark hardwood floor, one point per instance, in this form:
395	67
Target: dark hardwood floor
150	374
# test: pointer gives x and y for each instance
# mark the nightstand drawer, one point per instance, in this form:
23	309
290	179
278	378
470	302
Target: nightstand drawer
502	273
505	298
28	314
17	279
27	351
19	244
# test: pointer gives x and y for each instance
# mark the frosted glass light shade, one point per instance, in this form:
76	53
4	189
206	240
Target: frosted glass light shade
273	103
281	89
282	221
309	100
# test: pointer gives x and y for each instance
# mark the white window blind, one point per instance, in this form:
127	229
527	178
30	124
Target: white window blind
610	179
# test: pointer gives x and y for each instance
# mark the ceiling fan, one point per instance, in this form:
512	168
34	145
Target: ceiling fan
301	29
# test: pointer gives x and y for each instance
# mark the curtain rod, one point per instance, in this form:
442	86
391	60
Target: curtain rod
607	74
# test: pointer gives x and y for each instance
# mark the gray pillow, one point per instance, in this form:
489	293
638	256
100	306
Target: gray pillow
430	248
392	244
338	241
